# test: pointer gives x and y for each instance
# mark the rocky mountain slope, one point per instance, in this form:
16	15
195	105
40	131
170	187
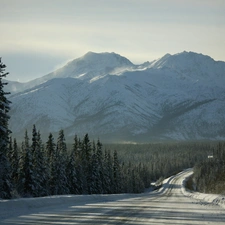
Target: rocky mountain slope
178	97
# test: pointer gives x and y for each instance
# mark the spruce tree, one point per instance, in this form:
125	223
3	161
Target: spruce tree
49	157
10	149
80	176
61	154
108	173
35	162
99	168
50	148
39	165
13	157
52	161
5	180
72	173
43	167
76	147
26	174
15	161
116	174
94	172
86	163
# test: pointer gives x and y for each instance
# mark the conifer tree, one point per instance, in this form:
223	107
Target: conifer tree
99	168
35	152
80	176
86	163
26	175
39	164
15	161
72	173
10	149
13	157
52	161
5	180
94	171
108	173
50	148
61	153
49	152
43	167
76	146
116	174
86	149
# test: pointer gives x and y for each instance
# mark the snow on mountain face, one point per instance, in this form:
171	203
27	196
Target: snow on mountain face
176	97
92	65
191	65
89	66
14	86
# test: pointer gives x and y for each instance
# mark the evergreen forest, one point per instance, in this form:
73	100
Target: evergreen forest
87	167
209	175
35	168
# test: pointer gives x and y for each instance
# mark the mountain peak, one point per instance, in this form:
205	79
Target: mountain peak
185	62
91	65
193	56
95	54
104	57
94	65
91	55
176	97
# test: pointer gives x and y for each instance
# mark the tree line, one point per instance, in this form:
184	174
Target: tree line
53	168
162	160
209	175
39	169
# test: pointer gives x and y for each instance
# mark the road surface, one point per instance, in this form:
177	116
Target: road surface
166	206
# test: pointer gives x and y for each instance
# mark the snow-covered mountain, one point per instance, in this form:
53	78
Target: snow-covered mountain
14	86
175	97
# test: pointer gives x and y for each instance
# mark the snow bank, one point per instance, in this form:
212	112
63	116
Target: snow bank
204	198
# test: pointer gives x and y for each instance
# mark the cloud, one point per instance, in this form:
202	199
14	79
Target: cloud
140	30
76	38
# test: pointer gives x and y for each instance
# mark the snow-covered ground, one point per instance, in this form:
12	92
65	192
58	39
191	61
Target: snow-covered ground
203	198
171	204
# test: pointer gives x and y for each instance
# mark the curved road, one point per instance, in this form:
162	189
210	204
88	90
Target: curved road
167	206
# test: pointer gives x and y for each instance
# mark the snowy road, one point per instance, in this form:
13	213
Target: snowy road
167	206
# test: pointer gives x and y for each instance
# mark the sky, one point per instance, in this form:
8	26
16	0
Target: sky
39	36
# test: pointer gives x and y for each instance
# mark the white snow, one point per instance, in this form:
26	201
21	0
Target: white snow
179	95
202	197
21	206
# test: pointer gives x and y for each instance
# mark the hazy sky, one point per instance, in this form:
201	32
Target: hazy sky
38	36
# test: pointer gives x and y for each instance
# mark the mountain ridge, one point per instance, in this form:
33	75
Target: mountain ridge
177	97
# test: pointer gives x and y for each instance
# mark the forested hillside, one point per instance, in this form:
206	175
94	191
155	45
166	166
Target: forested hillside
209	176
164	159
